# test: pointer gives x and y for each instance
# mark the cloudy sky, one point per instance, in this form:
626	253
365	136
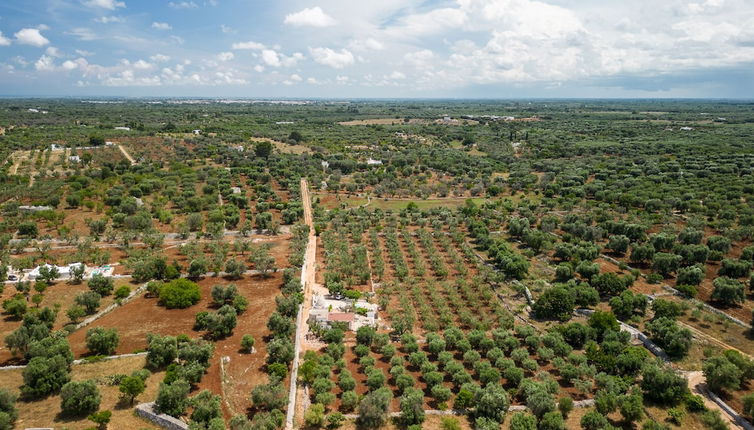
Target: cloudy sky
378	48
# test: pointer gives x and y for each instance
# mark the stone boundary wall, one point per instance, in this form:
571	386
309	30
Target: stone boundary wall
147	411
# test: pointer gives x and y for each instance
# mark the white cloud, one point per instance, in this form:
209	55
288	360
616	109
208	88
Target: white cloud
159	58
4	41
314	17
227	30
419	58
332	58
225	56
53	51
44	64
161	26
108	19
83	33
142	65
69	65
84	53
183	5
105	4
435	21
31	36
259	68
248	45
368	44
296	78
273	58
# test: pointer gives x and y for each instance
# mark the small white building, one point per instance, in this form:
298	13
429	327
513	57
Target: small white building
63	271
74	158
239	148
686	128
108	143
236	190
197	132
123	128
32	110
34	208
373	162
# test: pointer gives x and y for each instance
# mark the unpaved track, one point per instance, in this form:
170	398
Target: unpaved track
126	154
307	279
698	385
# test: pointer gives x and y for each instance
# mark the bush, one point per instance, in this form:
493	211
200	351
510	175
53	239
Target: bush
556	302
79	398
412	408
101	341
734	268
492	402
172	399
122	292
565	405
728	291
449	423
551	421
609	283
675	340
162	350
523	421
594	420
179	294
712	419
247	343
44	376
101	418
691	275
8	412
101	285
206	408
272	395
748	401
721	374
89	300
349	400
663	385
373	408
315	415
131	387
687	290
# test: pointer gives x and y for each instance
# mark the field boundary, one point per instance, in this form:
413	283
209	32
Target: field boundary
147	411
310	254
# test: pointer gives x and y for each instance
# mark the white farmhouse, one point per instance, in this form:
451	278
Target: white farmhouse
63	271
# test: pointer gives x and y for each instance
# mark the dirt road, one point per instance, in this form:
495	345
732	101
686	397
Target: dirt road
698	385
307	280
126	154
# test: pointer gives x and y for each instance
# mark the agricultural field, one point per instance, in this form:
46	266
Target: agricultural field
377	264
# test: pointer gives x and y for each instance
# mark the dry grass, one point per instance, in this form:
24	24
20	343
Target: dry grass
384	121
46	412
283	147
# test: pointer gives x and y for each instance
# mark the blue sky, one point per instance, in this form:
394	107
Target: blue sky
385	48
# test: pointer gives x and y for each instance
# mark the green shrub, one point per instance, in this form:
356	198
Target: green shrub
179	294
